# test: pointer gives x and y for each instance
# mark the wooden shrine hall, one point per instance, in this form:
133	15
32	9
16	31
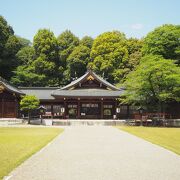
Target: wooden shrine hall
88	97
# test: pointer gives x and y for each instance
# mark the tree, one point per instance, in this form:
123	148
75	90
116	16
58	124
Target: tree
25	76
45	43
5	32
9	46
49	69
9	62
26	55
134	47
24	42
47	60
77	61
67	41
154	82
29	103
109	55
164	41
87	41
12	46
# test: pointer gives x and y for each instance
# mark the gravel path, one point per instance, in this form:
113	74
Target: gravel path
99	153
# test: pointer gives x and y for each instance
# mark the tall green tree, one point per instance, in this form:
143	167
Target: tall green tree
87	41
23	41
8	62
12	46
47	52
45	43
163	40
24	74
154	82
110	55
25	55
9	46
77	61
5	31
67	41
134	47
47	68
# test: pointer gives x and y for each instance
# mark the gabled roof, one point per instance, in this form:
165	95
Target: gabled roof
93	74
9	87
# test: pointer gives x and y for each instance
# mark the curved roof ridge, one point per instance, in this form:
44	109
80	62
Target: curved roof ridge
80	79
75	81
9	86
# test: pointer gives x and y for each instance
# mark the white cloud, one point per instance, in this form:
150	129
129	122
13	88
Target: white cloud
137	26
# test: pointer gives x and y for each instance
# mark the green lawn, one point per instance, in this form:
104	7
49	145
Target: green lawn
168	138
17	144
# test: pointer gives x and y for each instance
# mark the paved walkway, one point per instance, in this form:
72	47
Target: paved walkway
99	153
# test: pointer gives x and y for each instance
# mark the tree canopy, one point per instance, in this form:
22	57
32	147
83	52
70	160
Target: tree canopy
109	54
154	81
164	41
77	61
29	103
9	46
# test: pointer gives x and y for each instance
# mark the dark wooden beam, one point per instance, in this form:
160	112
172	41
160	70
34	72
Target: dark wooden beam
101	108
79	109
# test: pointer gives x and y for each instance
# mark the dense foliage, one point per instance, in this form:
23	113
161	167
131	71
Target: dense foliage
165	41
155	81
29	103
143	66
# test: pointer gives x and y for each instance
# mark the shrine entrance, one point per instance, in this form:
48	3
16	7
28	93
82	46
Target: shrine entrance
90	110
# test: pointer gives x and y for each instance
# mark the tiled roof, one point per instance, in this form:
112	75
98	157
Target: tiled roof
42	93
9	86
87	93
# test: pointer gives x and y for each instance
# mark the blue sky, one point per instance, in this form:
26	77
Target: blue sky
89	17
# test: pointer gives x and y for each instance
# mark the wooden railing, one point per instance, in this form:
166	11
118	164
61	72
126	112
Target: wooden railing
146	116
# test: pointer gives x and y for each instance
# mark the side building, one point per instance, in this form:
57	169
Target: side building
9	100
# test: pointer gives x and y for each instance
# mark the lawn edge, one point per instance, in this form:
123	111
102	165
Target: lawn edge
162	146
36	151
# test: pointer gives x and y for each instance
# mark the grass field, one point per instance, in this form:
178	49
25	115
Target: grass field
17	144
168	138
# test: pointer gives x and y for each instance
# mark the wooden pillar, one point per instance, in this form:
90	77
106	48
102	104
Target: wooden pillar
116	108
65	108
79	109
101	108
52	113
16	107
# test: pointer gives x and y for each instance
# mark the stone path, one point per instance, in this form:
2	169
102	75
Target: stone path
99	153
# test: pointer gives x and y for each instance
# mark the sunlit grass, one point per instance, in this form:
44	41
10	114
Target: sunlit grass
168	138
17	144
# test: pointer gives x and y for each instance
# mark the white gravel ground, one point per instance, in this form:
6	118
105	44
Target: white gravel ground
99	153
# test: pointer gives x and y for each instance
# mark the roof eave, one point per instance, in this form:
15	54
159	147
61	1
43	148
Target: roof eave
87	97
17	92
